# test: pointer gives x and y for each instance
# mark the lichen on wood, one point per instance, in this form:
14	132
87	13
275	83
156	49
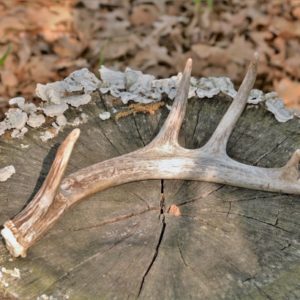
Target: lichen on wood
129	86
6	172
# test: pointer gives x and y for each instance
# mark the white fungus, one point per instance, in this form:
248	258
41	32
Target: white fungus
104	115
7	172
61	120
75	90
136	86
15	118
48	135
36	121
81	80
18	134
80	120
29	108
84	117
112	78
3	127
276	106
46	297
19	101
51	92
78	100
55	109
15	272
255	97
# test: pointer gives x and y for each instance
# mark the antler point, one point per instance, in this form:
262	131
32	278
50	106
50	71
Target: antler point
75	133
189	65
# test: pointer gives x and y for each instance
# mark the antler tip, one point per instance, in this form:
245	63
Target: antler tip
75	133
188	66
294	160
255	59
296	154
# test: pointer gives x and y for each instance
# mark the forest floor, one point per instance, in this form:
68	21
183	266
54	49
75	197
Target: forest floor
43	40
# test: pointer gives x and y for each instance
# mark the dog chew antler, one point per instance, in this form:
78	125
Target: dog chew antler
163	158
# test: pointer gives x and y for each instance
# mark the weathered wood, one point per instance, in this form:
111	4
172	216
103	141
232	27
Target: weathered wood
228	242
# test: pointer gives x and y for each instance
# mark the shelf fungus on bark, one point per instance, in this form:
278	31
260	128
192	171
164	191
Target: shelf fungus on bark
163	158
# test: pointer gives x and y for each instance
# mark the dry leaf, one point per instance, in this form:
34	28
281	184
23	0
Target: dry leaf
143	15
289	91
211	54
8	78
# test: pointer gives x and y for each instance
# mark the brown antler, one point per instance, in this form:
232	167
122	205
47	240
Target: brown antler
162	158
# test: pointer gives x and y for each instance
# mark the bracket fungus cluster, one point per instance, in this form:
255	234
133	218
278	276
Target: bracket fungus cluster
130	85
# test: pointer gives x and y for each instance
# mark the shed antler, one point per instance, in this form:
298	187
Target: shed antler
162	158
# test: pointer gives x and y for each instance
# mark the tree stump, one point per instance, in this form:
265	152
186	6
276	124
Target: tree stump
211	241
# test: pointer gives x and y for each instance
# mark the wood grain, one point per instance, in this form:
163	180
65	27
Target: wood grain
228	243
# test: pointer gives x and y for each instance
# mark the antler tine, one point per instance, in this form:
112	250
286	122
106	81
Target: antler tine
291	169
170	130
219	139
43	199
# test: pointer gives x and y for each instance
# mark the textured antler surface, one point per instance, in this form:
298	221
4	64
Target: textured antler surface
163	158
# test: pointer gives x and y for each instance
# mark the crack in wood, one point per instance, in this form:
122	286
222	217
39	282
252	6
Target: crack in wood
102	100
161	235
116	219
110	142
66	274
289	244
197	122
271	197
270	151
141	199
181	254
163	227
182	182
229	210
201	197
240	134
162	199
262	292
138	131
260	221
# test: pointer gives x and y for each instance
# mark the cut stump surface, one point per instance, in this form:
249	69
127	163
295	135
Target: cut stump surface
216	242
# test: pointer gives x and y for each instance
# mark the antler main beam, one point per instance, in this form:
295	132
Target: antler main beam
162	158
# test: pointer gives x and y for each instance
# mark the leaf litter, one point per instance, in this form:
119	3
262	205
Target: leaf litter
155	37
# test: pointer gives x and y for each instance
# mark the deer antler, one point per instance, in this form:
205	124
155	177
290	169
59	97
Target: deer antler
163	158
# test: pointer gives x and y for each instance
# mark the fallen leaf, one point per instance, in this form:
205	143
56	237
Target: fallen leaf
289	91
211	54
143	15
8	78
